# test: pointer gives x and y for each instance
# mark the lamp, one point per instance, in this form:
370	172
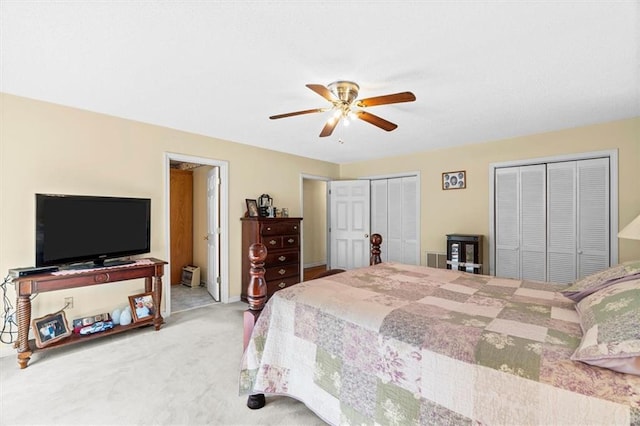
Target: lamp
632	230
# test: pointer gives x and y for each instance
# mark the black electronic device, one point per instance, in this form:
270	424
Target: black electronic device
80	228
30	270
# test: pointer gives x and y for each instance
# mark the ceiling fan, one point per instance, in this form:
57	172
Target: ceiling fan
342	95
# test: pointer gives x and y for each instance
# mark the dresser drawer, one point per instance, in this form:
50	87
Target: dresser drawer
276	285
282	271
282	258
272	242
284	241
279	228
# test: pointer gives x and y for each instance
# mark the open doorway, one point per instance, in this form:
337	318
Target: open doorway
314	225
196	232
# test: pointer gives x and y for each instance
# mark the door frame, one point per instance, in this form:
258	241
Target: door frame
223	167
213	233
612	154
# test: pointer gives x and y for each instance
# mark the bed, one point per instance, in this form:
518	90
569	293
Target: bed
406	344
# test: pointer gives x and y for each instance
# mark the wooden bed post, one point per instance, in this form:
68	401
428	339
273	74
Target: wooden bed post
256	291
376	241
257	297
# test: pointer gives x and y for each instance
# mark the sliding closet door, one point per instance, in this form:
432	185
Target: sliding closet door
409	217
394	215
533	223
593	216
578	216
561	229
379	213
520	222
554	219
507	222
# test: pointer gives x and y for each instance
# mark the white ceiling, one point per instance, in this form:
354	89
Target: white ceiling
481	71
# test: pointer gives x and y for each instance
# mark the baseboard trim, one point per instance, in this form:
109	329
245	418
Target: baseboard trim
314	264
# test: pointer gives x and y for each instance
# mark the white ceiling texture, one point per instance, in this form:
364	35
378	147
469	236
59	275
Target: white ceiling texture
481	70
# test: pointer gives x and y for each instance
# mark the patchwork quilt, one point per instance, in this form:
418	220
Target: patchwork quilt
396	344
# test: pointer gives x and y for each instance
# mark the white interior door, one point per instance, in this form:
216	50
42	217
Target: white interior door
349	207
213	233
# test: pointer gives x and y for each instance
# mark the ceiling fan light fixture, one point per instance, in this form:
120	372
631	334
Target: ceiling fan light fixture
342	95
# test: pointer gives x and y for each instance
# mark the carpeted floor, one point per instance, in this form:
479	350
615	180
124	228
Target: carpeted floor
184	374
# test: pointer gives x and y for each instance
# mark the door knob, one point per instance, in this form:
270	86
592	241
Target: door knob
366	235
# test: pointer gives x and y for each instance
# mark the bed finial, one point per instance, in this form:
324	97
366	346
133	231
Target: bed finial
376	241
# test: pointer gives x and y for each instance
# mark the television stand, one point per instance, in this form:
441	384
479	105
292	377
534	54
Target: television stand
150	269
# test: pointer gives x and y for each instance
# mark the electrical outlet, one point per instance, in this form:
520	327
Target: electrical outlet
68	302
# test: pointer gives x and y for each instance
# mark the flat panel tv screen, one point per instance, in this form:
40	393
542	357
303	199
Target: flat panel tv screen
80	229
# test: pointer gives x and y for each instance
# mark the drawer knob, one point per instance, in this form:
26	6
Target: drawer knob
295	227
273	242
282	285
282	271
290	240
282	258
269	228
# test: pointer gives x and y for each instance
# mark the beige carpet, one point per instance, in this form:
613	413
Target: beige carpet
184	374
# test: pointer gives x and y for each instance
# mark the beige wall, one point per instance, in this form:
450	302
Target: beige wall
467	210
54	149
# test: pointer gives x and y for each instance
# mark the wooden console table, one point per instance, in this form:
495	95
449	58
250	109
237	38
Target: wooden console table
150	269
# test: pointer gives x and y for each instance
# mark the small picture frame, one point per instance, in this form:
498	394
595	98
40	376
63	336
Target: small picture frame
454	180
50	328
252	208
142	306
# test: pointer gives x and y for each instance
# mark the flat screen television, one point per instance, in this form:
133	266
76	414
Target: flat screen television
80	229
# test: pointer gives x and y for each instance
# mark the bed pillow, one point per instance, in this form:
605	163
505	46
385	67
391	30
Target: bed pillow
594	282
610	321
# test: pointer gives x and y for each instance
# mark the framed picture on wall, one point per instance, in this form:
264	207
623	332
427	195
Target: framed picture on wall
454	180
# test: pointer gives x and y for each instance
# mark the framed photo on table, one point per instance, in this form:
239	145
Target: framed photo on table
50	328
252	208
142	306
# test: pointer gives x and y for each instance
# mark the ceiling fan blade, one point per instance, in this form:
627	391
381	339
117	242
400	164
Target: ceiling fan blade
376	121
329	126
387	99
291	114
322	91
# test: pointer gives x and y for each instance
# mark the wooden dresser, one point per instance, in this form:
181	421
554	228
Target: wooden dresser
281	236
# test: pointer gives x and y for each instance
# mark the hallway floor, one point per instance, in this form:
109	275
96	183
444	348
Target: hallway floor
184	298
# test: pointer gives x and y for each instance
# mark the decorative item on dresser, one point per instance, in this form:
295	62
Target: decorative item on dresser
281	236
